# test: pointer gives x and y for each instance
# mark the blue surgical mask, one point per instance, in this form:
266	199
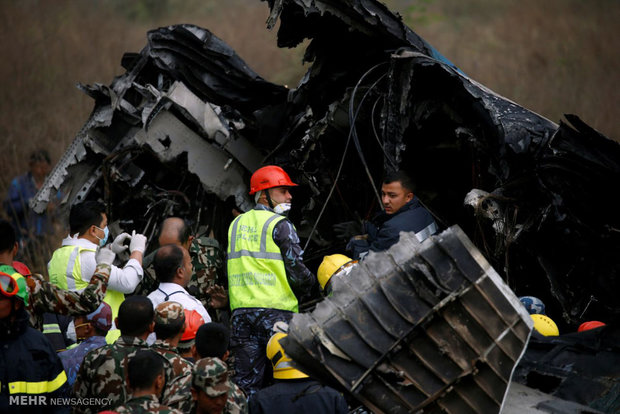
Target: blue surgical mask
106	233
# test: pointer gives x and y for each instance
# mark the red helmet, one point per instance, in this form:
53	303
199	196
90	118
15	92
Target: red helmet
193	321
269	176
586	326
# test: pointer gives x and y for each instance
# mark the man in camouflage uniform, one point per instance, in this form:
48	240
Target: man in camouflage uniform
212	341
145	373
206	259
45	297
104	370
212	389
169	326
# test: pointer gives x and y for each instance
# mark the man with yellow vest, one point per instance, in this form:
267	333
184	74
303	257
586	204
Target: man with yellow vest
72	265
266	275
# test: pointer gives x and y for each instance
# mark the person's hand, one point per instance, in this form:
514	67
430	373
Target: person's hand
117	245
138	242
348	229
105	255
218	297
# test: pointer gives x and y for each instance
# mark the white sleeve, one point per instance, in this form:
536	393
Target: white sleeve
126	280
203	312
88	264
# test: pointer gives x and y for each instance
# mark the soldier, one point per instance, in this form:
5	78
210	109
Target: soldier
104	370
212	341
206	259
211	387
45	297
145	373
169	327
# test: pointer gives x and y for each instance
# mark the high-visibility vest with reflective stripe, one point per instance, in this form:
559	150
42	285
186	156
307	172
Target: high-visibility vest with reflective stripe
256	273
65	270
38	387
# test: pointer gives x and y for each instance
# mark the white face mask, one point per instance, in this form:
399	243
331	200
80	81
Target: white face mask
71	332
282	208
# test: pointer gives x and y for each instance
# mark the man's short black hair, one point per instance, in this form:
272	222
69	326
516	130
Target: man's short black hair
167	260
40	155
135	315
405	180
143	368
169	330
212	340
85	214
7	236
185	232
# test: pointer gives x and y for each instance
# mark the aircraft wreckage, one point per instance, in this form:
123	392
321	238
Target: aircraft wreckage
183	128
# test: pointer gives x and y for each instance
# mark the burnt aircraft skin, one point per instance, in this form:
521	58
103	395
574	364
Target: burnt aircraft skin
404	106
181	131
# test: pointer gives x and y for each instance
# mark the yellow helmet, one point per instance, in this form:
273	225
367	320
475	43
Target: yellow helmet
545	325
281	363
329	266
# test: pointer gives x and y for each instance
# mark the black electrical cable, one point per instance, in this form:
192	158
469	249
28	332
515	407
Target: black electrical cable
346	147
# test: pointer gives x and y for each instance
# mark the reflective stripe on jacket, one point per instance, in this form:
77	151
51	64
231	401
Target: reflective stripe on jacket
65	270
256	273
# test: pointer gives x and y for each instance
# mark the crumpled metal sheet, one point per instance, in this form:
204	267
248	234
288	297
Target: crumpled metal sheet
426	326
377	97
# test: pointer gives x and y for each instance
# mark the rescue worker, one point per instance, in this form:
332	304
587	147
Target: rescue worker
266	274
90	331
187	344
294	391
45	297
173	267
211	386
104	369
333	265
206	261
30	371
73	264
169	326
146	378
402	212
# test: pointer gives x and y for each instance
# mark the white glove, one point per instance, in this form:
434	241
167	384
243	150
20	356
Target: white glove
105	255
138	242
117	244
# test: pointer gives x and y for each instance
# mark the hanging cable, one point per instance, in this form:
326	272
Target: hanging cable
346	147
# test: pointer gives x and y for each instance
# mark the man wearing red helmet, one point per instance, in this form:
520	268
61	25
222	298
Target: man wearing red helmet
266	274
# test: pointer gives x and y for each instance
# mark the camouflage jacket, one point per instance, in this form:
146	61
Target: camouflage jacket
237	402
207	261
177	393
45	297
145	404
103	373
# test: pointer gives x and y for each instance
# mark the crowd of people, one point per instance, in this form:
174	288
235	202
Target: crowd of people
161	332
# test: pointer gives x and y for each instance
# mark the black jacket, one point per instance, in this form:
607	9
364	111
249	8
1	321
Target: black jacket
298	396
384	229
30	372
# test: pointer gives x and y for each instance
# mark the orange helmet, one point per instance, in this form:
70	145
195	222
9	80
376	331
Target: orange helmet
269	176
193	321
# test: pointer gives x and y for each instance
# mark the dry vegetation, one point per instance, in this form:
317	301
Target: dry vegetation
554	56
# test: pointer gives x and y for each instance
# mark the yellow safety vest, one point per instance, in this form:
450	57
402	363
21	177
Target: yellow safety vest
19	279
256	273
65	270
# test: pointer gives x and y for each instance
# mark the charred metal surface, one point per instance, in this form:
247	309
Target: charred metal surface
422	326
583	367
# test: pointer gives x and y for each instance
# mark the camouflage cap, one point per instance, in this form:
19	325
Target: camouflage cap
211	376
167	313
101	318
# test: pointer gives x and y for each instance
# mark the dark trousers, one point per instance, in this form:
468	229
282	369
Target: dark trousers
250	332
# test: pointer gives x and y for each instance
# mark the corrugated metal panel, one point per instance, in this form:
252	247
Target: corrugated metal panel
426	326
